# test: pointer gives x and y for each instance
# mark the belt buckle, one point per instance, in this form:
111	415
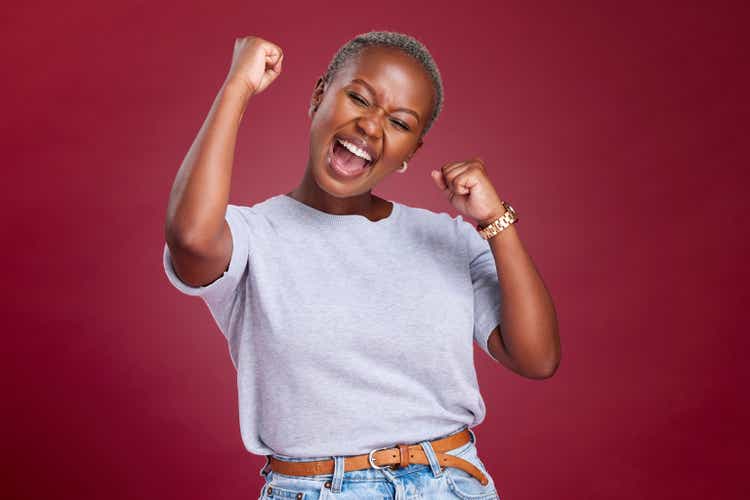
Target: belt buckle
370	459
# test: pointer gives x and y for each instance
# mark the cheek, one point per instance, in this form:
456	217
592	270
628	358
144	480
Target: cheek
398	146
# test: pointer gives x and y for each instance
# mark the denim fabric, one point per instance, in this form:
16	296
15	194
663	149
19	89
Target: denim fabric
416	481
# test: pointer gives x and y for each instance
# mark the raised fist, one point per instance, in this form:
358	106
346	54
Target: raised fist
256	63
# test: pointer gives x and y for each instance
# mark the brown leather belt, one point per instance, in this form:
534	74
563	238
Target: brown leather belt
399	456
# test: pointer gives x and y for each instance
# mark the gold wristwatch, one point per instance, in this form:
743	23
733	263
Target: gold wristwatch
509	217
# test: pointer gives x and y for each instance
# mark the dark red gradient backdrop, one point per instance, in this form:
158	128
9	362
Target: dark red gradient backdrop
618	131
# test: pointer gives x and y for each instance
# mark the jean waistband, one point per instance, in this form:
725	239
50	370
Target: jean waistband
335	480
264	469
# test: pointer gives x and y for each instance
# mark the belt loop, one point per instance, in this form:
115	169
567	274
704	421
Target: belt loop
263	472
338	474
473	436
437	471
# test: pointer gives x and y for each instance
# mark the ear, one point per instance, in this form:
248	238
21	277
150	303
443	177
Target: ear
317	96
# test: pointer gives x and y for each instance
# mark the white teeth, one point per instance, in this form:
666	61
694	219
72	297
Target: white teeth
354	149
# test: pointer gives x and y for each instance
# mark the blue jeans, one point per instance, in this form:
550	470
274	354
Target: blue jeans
415	481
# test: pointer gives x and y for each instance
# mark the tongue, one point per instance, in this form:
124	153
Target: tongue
346	159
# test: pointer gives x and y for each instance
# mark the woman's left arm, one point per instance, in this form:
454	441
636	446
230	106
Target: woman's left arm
528	342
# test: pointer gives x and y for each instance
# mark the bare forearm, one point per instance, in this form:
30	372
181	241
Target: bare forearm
200	192
529	322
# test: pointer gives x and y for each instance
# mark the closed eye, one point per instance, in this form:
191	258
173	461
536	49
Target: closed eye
400	124
357	98
363	102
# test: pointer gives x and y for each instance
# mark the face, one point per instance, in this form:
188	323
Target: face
382	97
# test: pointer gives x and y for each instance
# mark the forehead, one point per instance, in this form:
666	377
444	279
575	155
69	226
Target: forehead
397	78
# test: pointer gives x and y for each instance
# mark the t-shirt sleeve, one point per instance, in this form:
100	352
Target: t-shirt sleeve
486	284
226	285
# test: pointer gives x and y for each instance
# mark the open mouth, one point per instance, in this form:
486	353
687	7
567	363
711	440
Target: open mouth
346	162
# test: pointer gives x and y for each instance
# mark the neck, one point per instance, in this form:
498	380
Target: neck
309	193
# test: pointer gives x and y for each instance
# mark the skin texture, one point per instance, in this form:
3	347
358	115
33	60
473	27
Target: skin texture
373	114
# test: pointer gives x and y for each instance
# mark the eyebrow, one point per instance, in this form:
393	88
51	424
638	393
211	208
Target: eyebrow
372	91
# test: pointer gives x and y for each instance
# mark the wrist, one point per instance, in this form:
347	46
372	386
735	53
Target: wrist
237	88
496	215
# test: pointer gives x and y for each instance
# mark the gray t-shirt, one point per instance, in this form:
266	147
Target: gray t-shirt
348	334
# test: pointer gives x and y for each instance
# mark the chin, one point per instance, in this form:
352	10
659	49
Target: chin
337	189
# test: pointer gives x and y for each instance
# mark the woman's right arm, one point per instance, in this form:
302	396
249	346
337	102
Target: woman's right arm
196	232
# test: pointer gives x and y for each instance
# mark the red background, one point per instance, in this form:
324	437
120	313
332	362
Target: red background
618	131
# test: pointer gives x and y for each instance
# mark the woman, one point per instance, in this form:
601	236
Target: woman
349	317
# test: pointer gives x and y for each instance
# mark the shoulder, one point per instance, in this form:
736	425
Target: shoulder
438	219
260	209
440	229
250	221
257	207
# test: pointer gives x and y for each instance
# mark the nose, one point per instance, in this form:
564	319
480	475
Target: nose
371	121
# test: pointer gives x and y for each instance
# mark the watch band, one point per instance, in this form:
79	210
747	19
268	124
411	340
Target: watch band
498	225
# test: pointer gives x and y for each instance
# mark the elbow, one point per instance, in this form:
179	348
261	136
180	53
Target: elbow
544	371
193	232
197	242
546	366
174	234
